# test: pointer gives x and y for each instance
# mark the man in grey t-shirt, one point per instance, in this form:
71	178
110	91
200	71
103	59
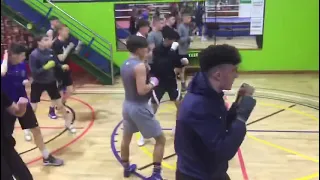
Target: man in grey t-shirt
155	37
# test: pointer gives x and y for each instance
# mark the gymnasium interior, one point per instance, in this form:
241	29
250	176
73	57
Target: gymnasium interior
280	58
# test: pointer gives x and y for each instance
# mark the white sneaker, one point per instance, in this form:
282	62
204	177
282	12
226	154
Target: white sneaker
27	137
72	129
141	141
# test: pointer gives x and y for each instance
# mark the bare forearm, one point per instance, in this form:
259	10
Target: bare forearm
145	90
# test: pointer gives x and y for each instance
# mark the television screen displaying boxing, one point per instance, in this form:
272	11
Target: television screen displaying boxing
235	22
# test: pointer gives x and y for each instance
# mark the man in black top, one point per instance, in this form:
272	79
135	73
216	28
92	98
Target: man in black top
62	47
165	59
11	163
54	25
170	21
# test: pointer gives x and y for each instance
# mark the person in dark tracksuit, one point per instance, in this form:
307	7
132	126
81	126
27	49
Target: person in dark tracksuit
207	135
165	59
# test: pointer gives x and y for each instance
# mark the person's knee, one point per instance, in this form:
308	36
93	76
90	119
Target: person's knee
36	131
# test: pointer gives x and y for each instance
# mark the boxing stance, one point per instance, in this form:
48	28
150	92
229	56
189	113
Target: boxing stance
12	166
184	44
137	113
207	135
165	59
42	63
13	85
62	47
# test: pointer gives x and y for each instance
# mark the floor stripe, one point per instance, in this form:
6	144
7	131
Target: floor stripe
46	127
242	165
312	176
283	149
78	137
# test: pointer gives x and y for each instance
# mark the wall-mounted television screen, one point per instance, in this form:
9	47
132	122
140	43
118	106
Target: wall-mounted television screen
235	22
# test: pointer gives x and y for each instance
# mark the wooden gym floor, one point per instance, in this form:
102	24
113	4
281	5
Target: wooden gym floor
282	141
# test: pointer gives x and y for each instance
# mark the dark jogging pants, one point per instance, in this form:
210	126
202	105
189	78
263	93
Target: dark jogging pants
13	165
181	176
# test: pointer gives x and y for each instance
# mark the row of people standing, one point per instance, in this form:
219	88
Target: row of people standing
49	72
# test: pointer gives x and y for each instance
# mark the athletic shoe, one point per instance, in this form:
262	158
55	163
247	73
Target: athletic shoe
141	141
71	129
52	113
128	171
52	161
28	137
155	176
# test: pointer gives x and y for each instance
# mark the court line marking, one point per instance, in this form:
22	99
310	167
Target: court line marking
114	149
51	127
283	148
55	137
147	152
290	109
311	176
93	117
121	91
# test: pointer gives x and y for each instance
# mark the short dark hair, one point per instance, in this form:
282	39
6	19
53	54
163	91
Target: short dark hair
156	19
136	42
170	34
215	55
16	48
52	18
39	37
142	23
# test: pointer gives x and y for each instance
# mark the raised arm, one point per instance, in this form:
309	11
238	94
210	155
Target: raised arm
224	147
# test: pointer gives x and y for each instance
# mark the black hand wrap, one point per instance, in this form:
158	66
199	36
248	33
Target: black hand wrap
245	108
232	114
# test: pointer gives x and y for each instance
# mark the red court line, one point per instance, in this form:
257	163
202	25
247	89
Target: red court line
52	127
242	165
240	157
78	137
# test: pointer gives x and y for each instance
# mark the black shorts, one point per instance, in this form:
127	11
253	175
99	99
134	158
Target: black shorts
27	121
170	87
38	88
64	80
180	57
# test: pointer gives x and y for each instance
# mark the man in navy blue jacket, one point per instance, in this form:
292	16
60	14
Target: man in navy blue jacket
207	134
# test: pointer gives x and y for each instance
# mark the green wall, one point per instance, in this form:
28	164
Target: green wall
291	33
